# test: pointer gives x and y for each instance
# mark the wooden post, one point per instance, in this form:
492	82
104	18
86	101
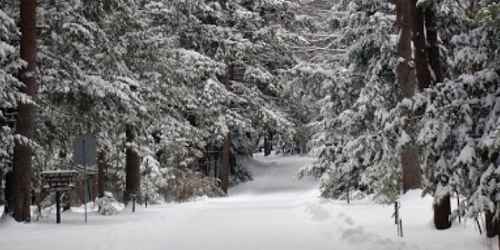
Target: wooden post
226	163
396	212
401	228
58	207
133	203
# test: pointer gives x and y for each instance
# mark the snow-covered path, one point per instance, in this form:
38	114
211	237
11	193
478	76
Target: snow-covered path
275	211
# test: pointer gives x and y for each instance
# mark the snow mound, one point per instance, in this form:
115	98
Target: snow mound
108	205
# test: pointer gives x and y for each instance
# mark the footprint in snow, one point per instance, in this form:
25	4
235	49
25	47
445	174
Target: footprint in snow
317	213
347	219
359	237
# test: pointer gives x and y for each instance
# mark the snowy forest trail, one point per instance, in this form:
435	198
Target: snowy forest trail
274	211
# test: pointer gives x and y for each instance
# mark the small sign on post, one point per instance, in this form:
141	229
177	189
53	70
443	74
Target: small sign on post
58	181
85	150
85	155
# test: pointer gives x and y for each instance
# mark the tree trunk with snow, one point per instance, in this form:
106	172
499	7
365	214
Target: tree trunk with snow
419	40
411	176
442	212
433	43
491	224
442	208
132	168
24	123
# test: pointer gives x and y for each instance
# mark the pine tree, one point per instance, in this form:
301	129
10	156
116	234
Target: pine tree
9	94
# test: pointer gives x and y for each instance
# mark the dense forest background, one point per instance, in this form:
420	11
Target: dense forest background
389	95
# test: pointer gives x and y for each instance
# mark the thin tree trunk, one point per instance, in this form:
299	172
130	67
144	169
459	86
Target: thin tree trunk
132	168
24	124
266	146
101	166
268	143
2	197
226	163
406	78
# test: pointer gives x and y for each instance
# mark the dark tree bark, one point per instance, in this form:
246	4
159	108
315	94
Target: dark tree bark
498	238
268	143
226	163
432	40
101	167
132	168
491	224
410	170
406	74
10	201
24	123
419	40
442	212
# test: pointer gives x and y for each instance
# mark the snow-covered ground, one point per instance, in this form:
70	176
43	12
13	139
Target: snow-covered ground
274	212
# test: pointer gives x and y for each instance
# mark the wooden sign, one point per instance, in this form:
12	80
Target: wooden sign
59	180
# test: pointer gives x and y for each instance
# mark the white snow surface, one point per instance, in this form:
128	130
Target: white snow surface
274	212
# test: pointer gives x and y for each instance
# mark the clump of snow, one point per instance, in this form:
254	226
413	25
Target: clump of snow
108	205
467	155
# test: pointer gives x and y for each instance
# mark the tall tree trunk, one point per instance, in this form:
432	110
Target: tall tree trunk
24	123
421	61
226	163
411	176
132	168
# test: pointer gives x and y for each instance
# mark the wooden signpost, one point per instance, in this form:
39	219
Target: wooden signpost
85	155
58	181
